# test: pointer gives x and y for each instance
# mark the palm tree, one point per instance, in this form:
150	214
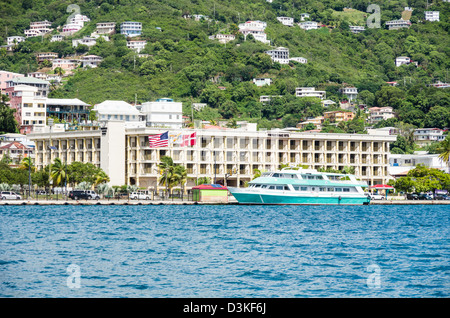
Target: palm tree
59	70
103	189
27	163
444	151
84	185
58	171
166	167
101	177
180	174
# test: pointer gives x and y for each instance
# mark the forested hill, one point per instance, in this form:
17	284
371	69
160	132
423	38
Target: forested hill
184	64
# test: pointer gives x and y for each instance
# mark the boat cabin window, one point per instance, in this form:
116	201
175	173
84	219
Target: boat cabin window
276	175
330	189
279	187
271	187
338	189
311	177
257	186
286	188
346	189
323	189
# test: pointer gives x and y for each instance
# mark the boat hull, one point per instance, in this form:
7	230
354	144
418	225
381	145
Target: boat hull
265	198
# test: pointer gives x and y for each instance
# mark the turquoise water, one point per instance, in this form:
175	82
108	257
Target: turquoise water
224	251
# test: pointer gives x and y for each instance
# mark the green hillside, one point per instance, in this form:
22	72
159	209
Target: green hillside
182	60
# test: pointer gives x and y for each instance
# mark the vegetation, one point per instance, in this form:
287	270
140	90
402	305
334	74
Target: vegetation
182	60
422	179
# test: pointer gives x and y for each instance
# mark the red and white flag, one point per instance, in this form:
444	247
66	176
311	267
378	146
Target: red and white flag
189	140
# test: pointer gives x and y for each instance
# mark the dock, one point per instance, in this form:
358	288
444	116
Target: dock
179	202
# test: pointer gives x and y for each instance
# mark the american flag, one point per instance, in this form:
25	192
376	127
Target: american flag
160	140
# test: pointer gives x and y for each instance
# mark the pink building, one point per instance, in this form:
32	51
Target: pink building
7	76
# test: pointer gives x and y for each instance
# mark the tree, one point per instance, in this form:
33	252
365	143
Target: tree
171	174
59	71
444	151
8	123
58	172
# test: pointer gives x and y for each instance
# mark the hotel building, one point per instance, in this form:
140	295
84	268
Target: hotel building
228	156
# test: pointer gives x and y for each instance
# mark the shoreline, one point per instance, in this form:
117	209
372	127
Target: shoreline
160	202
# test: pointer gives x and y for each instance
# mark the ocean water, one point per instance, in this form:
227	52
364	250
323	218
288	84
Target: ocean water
224	251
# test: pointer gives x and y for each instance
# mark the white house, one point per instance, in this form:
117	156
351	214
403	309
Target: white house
299	60
11	40
117	110
404	60
424	136
262	81
377	114
38	28
288	21
131	28
105	27
304	16
223	38
91	60
57	38
432	16
309	25
280	55
309	92
350	92
136	45
400	164
398	24
87	40
163	112
256	29
357	29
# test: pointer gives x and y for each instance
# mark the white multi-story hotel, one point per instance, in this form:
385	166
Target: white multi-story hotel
230	156
432	16
163	112
309	92
288	21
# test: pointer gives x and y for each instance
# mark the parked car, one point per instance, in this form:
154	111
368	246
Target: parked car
376	196
141	195
412	196
83	194
425	196
9	195
442	197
